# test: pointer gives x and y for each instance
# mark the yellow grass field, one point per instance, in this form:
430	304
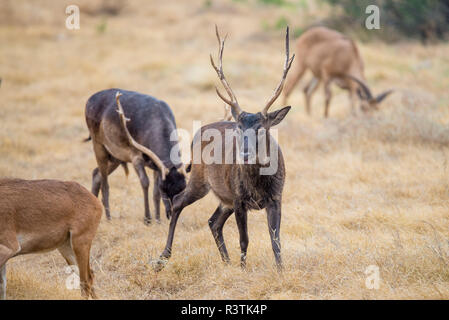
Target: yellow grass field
360	190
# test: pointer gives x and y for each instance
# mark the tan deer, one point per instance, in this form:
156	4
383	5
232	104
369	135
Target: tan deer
44	215
332	58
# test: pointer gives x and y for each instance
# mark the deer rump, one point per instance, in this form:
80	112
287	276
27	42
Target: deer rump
43	215
143	140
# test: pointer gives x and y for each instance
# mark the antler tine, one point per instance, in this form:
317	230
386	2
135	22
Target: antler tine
133	142
233	102
287	64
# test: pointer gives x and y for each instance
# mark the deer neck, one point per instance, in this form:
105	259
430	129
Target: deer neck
257	190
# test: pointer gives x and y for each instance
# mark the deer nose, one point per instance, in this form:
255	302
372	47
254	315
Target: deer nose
248	154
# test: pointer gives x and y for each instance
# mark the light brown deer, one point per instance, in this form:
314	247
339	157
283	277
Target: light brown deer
44	215
332	58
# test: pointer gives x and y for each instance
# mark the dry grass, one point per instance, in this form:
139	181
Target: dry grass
360	191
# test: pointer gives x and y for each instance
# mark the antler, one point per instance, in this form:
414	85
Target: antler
287	64
233	102
363	86
143	149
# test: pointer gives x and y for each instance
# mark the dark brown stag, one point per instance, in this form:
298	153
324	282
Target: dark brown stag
239	185
145	141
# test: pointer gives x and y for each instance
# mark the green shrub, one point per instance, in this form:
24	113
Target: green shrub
412	18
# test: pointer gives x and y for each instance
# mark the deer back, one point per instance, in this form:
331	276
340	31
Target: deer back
41	213
321	47
152	122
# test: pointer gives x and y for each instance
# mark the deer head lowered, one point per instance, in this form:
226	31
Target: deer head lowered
368	100
239	186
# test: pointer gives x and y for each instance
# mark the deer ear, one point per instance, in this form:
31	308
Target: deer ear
275	117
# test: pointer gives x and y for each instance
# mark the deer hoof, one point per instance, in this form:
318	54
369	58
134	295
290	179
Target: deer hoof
147	221
158	264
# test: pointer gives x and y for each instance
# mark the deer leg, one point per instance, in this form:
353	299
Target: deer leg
67	252
139	166
157	199
309	90
274	227
328	95
3	282
81	248
103	159
96	176
157	196
216	223
168	207
352	100
5	254
241	217
96	182
193	192
292	81
7	251
105	193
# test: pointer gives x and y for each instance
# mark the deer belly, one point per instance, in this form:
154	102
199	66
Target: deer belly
118	152
341	83
222	193
38	242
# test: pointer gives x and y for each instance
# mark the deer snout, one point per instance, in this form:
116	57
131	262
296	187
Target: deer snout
248	150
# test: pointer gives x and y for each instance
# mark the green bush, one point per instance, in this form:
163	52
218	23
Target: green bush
412	18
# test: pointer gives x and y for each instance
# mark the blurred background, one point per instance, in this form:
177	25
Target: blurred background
410	19
360	190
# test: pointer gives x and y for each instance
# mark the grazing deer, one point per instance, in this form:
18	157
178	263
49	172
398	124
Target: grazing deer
239	187
43	215
331	57
147	144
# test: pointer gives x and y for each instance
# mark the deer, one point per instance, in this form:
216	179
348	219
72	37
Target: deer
332	58
44	215
239	186
146	142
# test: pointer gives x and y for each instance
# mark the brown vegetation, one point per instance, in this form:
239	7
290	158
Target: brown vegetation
359	190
